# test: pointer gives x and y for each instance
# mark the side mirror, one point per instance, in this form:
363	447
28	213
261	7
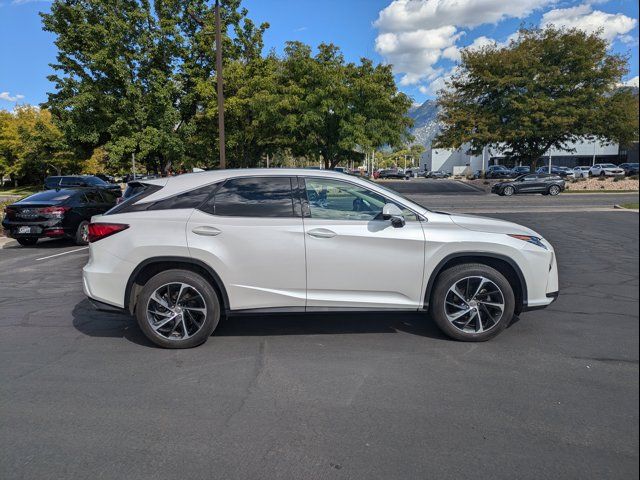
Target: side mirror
392	212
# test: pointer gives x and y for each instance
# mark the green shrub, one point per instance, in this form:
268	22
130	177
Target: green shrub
602	179
633	177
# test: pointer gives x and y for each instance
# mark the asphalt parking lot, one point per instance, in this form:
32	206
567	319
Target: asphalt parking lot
84	395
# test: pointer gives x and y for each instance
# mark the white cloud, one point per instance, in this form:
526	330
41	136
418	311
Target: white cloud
415	53
632	82
407	15
583	17
9	98
414	35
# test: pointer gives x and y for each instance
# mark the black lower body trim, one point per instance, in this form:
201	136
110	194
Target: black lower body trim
105	307
553	295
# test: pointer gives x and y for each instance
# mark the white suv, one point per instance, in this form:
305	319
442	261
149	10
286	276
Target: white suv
605	170
184	250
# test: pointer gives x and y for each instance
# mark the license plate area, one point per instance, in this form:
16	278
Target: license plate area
28	230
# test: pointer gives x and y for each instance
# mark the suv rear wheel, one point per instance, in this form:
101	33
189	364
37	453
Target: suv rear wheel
472	302
178	309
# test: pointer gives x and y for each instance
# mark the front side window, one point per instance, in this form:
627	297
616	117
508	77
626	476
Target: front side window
335	200
253	197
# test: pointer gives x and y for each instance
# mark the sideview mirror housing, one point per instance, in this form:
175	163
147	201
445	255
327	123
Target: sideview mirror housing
392	212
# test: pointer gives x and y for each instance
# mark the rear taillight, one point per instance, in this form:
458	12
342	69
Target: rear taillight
53	212
10	213
98	231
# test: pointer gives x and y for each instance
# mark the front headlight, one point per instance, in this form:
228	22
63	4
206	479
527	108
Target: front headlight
530	239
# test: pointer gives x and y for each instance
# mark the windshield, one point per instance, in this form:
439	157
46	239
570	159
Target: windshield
95	181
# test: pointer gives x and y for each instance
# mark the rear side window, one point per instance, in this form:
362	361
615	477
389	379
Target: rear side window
190	199
92	198
253	197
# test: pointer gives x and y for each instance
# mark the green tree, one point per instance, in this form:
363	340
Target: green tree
335	110
545	90
31	146
135	76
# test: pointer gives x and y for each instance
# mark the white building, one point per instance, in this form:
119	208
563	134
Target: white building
586	153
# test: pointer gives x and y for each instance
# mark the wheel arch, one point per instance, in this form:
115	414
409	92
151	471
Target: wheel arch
505	265
152	266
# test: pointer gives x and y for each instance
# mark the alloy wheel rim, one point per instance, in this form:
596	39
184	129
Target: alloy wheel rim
84	233
474	304
508	191
555	190
176	311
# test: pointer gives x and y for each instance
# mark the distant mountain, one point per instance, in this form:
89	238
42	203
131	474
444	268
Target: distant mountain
426	125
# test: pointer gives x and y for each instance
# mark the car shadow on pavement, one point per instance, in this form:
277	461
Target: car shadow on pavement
41	245
95	323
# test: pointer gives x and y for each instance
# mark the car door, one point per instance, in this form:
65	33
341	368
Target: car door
250	232
355	258
528	183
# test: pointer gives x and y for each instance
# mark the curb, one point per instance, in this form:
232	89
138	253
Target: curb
620	207
5	240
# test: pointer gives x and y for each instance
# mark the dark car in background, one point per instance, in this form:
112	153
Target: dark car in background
630	168
86	181
564	172
393	174
56	213
522	170
437	174
498	171
543	183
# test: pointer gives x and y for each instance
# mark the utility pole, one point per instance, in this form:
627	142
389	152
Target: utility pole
223	153
133	164
219	78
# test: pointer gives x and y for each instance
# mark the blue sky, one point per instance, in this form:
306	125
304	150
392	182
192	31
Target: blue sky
421	38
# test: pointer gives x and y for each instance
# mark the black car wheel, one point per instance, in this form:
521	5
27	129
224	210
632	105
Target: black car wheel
554	190
603	174
472	302
178	309
508	191
82	233
27	242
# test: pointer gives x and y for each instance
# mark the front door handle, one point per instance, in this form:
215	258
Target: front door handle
321	233
207	231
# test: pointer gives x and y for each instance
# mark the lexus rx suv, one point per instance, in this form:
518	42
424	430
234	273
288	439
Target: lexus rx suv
606	170
183	251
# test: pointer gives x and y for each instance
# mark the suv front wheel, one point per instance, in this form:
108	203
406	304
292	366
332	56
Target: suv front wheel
472	302
178	309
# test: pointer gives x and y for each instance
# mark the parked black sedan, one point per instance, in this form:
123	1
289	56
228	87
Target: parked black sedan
89	181
393	174
532	183
61	213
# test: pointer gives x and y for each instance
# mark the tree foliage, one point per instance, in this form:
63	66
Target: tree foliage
545	90
136	76
31	145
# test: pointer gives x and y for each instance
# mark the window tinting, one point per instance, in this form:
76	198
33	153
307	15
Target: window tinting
253	197
190	199
336	200
92	198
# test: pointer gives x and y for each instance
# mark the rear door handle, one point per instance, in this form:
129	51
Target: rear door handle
321	233
207	231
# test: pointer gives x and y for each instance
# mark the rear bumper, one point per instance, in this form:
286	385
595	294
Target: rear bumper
105	277
47	229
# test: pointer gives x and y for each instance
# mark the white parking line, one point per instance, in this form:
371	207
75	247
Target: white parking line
63	253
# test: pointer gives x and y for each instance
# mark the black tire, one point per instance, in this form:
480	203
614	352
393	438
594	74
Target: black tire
603	173
554	190
82	233
508	191
201	285
27	242
455	274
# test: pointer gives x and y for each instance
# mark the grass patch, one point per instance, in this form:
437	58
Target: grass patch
630	206
26	190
